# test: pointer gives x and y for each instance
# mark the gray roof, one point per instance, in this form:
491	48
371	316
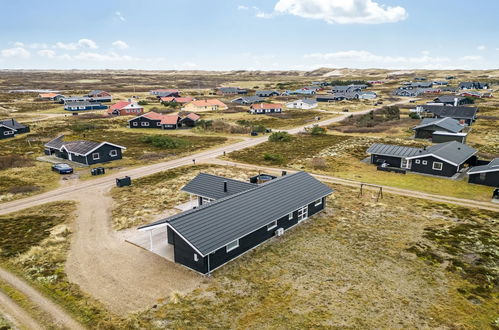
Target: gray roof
214	225
79	104
392	150
453	152
212	186
493	166
445	123
458	112
448	98
309	101
80	147
266	92
12	123
247	99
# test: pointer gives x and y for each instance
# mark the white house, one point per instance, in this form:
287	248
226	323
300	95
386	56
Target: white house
302	104
367	95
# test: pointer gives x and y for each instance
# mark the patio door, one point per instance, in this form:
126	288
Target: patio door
302	213
406	163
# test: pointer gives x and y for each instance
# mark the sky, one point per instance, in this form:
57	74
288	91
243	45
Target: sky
249	34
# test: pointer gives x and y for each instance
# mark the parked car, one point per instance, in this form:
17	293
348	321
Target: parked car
62	168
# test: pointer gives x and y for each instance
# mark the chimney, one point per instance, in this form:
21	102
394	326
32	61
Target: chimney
455	101
225	186
283	173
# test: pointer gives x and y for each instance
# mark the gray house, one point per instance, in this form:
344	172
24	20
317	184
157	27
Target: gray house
239	218
245	100
11	127
264	93
83	152
440	130
444	159
473	85
465	115
487	174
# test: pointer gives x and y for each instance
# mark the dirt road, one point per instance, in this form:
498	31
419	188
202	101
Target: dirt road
16	315
59	316
122	276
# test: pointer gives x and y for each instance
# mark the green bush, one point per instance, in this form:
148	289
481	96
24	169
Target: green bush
414	115
317	130
164	142
274	158
142	102
280	137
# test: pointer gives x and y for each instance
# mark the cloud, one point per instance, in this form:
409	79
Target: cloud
18	52
471	58
342	11
118	15
18	44
481	47
120	44
82	43
46	53
366	56
242	7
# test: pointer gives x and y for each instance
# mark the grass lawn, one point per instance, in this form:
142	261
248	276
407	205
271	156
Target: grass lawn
33	244
352	266
154	194
341	157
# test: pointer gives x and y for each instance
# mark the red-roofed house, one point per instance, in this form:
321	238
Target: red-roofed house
262	108
125	108
161	121
50	96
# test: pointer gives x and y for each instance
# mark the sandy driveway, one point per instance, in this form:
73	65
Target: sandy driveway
122	276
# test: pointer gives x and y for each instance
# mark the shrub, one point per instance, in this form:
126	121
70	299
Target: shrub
274	158
317	130
318	163
414	115
142	102
164	142
280	137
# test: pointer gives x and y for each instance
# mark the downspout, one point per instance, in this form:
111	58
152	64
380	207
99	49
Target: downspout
209	272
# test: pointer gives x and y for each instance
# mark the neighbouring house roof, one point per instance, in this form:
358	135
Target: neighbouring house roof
266	92
231	89
266	106
171	90
48	95
446	123
449	99
12	123
493	166
212	186
176	99
209	102
452	152
451	111
247	99
97	92
170	119
80	104
79	147
214	225
123	104
193	116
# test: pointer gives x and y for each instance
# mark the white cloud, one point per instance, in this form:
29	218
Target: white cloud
118	15
120	44
82	43
18	44
242	7
481	47
471	58
366	56
342	11
46	53
18	52
425	52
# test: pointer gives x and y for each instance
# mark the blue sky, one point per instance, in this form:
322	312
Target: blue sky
249	34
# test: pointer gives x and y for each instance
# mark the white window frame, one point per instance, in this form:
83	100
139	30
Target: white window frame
437	169
135	123
95	154
302	213
425	162
113	153
196	257
405	163
417	161
144	123
8	133
272	225
232	245
318	202
158	123
290	216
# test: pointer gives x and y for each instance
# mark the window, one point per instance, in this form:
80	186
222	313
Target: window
482	176
145	123
417	161
196	257
290	216
406	163
113	153
158	123
425	162
8	133
272	225
437	166
95	156
135	123
318	202
302	213
232	245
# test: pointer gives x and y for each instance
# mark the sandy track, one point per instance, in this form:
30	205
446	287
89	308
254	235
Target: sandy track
122	276
16	315
59	316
